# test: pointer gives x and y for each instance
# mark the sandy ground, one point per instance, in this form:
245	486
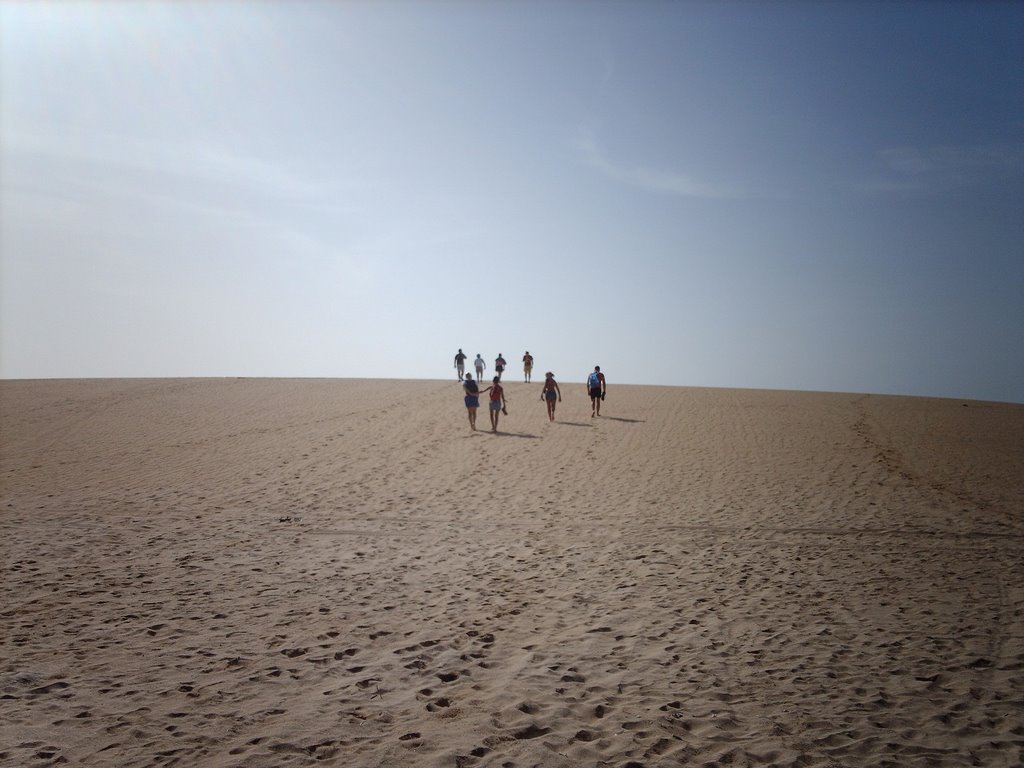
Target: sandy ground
296	572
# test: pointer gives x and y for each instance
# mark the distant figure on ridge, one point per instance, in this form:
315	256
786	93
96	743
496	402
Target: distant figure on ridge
527	366
596	388
460	363
479	365
472	399
497	402
499	365
549	393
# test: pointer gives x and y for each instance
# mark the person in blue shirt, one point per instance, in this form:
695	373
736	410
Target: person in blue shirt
596	388
472	399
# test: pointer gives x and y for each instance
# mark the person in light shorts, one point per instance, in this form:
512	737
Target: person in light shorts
497	402
527	367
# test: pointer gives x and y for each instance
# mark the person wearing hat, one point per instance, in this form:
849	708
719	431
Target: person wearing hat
527	366
549	393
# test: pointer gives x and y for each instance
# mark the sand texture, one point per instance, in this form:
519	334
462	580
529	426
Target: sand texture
263	573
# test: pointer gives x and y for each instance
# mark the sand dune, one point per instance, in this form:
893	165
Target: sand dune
298	572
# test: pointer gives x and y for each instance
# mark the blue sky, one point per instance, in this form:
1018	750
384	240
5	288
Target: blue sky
797	195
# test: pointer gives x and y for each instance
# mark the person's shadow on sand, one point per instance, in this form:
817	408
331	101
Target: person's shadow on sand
628	421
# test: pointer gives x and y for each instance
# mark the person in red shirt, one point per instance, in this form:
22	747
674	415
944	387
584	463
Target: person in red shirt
497	402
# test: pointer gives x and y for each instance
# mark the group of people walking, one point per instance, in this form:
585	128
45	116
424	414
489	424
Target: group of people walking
550	393
499	365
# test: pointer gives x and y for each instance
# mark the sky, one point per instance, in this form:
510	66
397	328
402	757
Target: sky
793	195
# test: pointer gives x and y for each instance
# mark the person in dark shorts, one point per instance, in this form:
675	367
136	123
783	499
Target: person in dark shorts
596	388
472	399
499	365
549	393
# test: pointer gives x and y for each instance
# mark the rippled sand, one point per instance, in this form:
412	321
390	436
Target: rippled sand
304	572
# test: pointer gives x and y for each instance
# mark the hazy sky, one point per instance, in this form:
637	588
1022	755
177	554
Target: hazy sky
800	195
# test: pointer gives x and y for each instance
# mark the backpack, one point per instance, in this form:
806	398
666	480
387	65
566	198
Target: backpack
593	381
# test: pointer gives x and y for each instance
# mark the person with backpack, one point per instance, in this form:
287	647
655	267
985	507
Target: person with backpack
497	402
596	388
499	365
472	399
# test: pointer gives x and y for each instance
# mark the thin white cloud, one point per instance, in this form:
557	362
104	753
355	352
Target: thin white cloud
887	186
201	163
650	179
952	165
